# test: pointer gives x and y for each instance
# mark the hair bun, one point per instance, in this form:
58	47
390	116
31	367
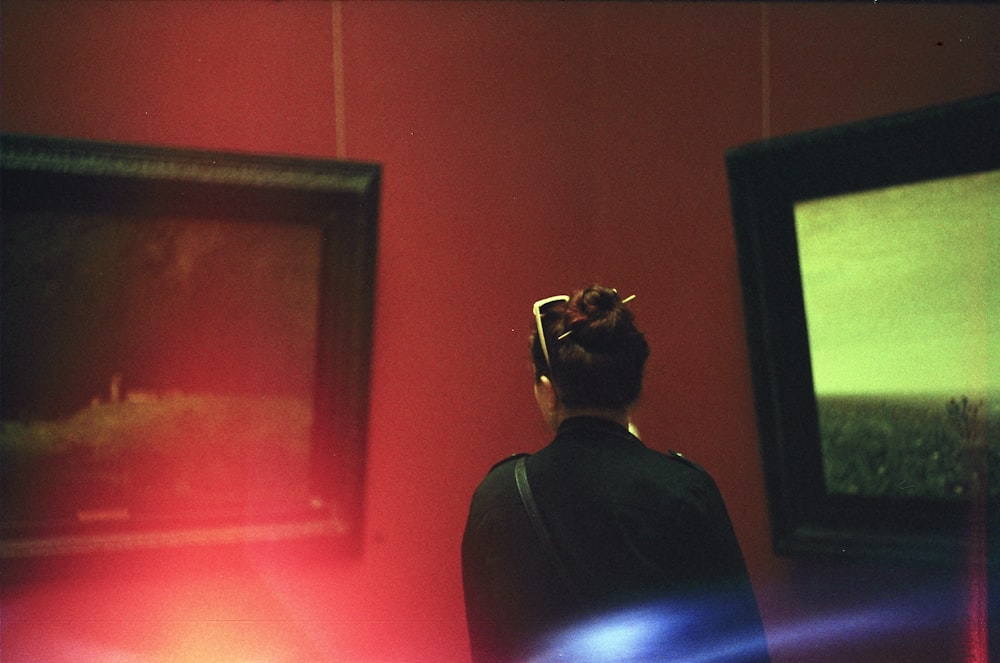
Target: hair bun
595	355
598	317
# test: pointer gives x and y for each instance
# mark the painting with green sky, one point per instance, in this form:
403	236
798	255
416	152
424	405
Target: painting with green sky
903	317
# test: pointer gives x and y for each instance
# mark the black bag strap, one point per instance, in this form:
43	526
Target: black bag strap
524	490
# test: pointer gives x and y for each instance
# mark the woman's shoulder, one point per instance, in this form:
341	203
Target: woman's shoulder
673	473
496	486
678	457
509	459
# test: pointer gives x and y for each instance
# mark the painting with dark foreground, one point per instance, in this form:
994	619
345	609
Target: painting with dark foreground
868	255
163	368
186	347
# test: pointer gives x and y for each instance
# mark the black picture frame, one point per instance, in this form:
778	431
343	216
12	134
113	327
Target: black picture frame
338	202
767	180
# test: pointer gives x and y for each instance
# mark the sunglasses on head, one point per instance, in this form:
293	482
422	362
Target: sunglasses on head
538	309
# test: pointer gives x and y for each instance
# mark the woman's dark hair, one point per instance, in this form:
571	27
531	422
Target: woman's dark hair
596	352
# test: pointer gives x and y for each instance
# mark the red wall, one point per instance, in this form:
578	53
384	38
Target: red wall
527	149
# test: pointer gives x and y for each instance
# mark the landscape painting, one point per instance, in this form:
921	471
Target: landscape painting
186	347
902	305
162	369
868	256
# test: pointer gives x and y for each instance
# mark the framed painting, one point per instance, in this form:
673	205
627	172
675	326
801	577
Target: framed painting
186	339
869	266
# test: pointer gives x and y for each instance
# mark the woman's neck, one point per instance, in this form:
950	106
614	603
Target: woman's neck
620	417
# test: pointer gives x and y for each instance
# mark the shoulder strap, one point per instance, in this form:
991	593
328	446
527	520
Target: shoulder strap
524	490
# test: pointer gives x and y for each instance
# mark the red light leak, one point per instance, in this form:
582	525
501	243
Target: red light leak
977	636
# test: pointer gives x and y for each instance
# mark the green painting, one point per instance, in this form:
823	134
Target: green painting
903	316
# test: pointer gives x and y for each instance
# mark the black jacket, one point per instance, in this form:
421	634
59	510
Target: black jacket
646	540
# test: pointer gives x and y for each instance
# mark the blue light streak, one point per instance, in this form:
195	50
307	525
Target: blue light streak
690	631
660	632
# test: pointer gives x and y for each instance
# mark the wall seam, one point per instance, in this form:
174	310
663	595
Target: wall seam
338	80
765	71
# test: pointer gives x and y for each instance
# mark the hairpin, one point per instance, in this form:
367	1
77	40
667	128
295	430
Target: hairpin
570	331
